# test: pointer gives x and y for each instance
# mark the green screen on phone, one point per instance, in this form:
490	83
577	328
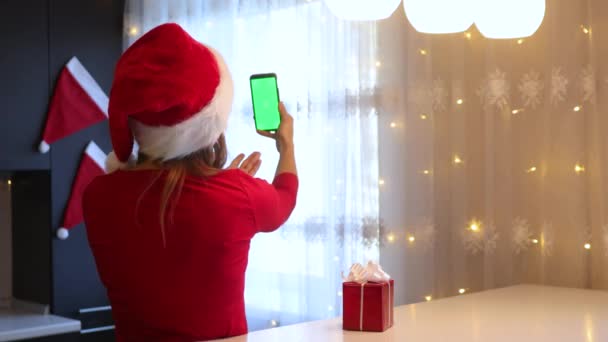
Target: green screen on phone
265	99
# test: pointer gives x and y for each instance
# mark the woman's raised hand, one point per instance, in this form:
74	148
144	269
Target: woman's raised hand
250	165
284	135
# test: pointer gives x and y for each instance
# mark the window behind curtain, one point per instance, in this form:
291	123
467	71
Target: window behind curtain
326	72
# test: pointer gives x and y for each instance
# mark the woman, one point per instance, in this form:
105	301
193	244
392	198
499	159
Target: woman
170	232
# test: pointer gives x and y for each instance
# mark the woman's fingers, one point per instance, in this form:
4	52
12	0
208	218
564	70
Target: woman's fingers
285	132
256	167
283	111
249	164
235	163
267	134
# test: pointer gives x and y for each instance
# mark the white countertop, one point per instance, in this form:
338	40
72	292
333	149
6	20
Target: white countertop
21	324
514	314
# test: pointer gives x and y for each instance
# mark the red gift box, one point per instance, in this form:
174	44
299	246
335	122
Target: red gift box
369	306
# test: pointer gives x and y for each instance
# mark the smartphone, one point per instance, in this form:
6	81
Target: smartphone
265	99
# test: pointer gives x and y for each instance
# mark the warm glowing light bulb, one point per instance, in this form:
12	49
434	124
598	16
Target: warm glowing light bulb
423	116
411	238
362	9
423	52
428	298
393	124
378	64
461	291
579	168
9	182
520	41
532	169
500	19
391	237
474	226
587	246
381	181
535	241
468	35
440	16
426	172
515	111
460	101
577	108
133	31
585	29
457	160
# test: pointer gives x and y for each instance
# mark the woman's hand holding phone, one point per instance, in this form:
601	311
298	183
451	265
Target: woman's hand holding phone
284	141
284	134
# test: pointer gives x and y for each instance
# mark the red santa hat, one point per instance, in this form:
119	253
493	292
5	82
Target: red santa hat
91	166
171	93
78	102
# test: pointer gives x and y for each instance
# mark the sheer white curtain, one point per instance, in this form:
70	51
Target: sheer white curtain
511	135
327	75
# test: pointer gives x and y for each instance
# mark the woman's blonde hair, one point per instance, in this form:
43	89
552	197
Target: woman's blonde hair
203	163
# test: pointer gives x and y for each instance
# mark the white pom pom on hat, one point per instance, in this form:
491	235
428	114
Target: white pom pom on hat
43	147
62	233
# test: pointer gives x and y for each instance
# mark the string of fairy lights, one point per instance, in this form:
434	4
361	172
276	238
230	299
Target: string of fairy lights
457	159
475	226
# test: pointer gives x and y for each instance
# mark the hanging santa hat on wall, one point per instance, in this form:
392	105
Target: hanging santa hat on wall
91	166
78	102
171	94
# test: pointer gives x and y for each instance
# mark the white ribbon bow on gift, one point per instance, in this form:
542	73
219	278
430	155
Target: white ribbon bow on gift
371	273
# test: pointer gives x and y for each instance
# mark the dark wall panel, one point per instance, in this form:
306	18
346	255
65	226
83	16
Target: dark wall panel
24	83
92	31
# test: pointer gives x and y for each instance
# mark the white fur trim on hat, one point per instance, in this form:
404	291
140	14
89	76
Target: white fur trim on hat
199	131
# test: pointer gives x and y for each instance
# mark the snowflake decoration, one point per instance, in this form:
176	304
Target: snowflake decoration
605	238
588	84
439	94
495	90
368	231
315	229
546	239
473	241
521	235
420	96
559	86
371	229
425	235
481	240
531	89
491	237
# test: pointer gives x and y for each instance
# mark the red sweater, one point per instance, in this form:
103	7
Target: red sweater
192	288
